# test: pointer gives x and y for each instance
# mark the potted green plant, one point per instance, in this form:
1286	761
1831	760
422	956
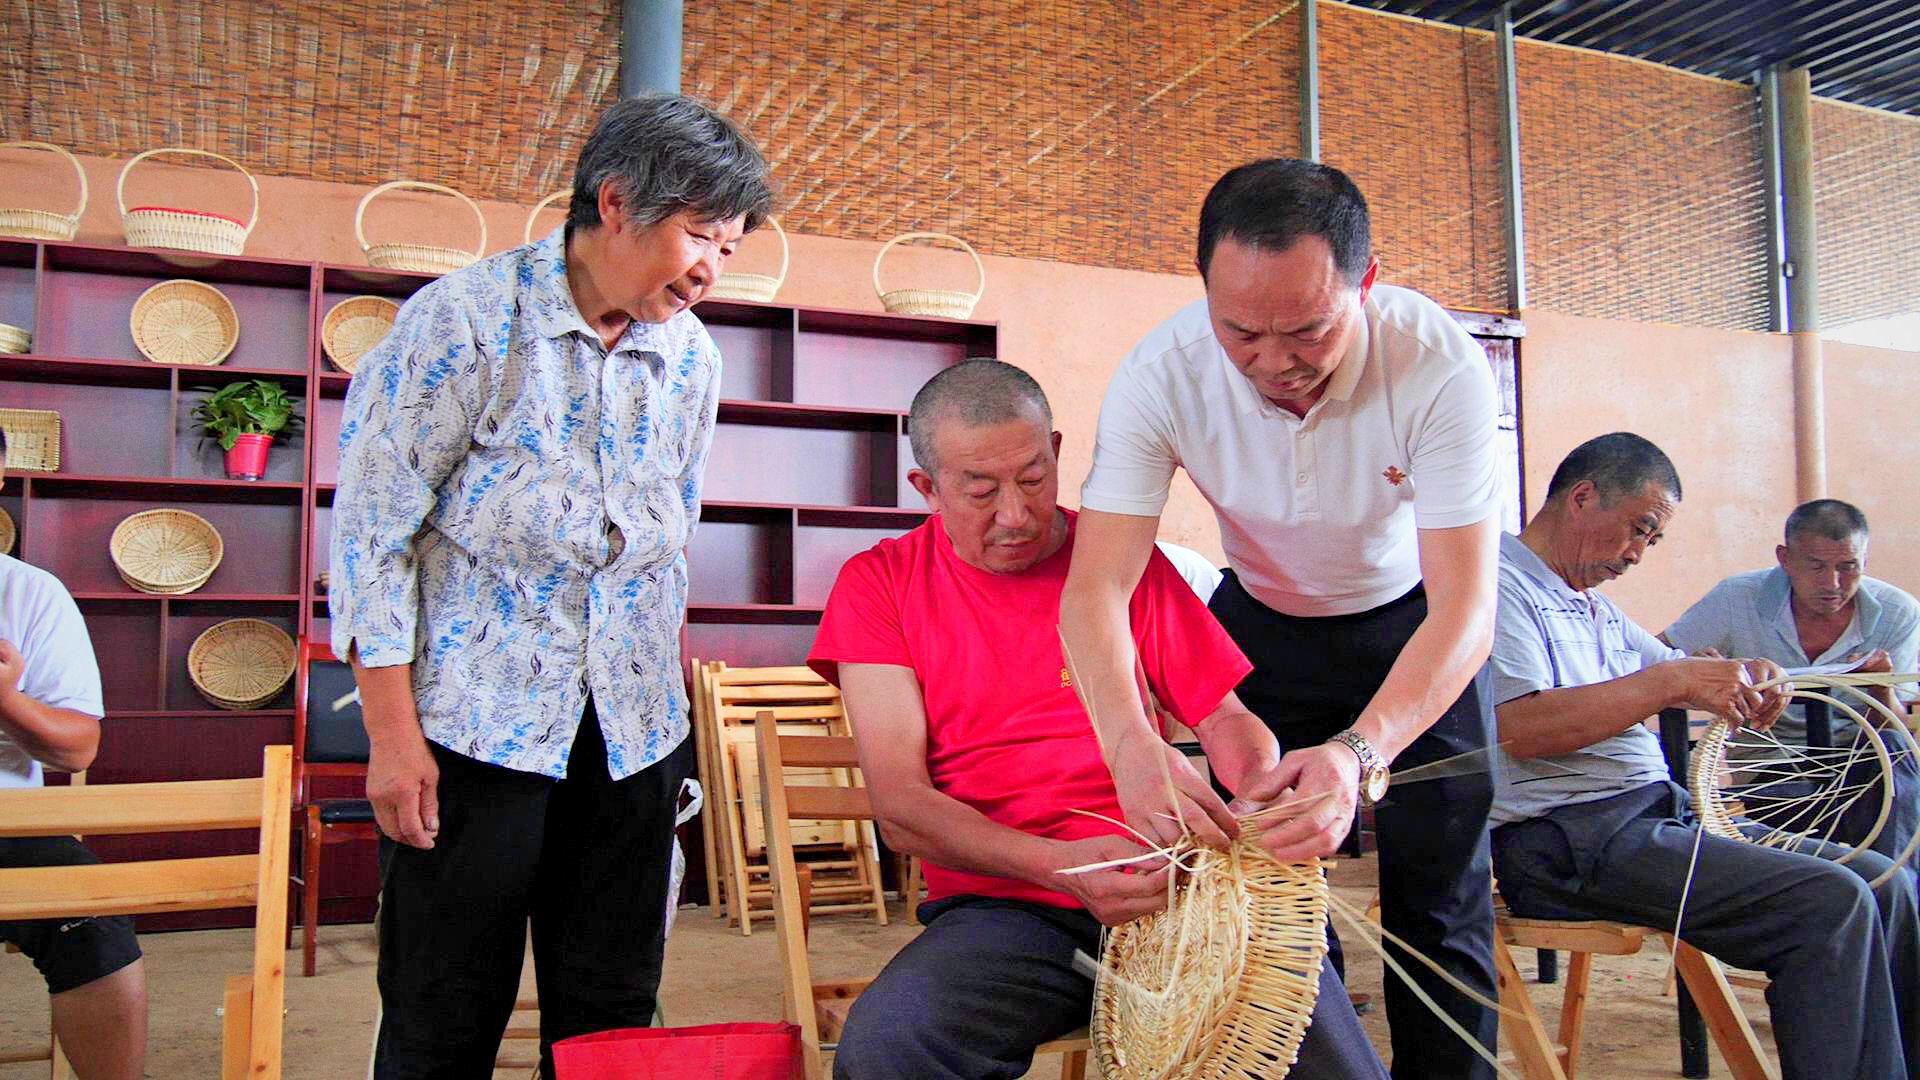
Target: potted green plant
244	418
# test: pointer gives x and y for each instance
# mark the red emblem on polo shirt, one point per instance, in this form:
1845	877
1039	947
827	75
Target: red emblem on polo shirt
1394	475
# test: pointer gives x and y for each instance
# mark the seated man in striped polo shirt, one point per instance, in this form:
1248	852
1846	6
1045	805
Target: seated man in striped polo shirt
1589	824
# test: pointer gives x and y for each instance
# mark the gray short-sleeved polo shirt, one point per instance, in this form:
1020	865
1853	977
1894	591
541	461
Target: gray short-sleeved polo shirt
1551	636
1751	615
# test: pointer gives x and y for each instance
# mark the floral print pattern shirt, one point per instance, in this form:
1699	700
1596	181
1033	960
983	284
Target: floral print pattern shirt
513	504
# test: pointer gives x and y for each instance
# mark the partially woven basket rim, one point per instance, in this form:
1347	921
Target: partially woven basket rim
241	663
1234	999
185	322
166	551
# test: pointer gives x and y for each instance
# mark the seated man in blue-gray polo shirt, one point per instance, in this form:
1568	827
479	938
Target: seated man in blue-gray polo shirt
1819	607
1589	824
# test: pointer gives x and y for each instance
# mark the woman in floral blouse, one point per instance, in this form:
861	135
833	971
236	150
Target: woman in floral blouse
520	471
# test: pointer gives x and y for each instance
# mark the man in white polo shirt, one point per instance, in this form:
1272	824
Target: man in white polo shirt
50	714
1344	433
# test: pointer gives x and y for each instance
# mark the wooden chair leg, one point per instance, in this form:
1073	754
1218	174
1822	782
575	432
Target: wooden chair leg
1738	1043
1528	1035
1573	1011
236	1028
1073	1066
912	890
310	891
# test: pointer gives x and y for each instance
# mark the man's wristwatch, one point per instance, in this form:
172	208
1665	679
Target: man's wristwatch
1373	767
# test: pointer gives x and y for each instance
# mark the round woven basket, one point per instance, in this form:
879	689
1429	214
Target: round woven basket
166	552
33	224
8	533
186	230
741	285
14	339
421	258
185	322
1221	985
355	325
241	663
526	235
943	302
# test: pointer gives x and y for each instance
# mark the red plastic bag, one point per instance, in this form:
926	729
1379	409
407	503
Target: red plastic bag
707	1052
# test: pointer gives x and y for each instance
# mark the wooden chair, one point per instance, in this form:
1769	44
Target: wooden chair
328	742
1544	1058
254	1003
820	1009
844	856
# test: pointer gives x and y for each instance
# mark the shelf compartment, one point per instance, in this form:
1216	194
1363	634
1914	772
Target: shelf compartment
188	621
126	638
789	414
749	644
741	556
872	361
103	429
778	463
756	348
16	284
70	536
86	313
323	428
198	458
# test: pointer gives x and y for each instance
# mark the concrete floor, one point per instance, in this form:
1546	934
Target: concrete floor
715	974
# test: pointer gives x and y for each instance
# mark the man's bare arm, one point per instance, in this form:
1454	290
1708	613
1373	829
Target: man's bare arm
66	739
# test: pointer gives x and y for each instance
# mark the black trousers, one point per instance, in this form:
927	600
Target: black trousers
1311	678
585	858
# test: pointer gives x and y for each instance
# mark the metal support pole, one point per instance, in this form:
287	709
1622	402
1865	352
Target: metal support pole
649	47
1776	217
1510	158
1309	80
1803	289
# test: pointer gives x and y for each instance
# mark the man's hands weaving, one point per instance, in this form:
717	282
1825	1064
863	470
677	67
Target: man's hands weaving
1325	783
1118	895
1142	786
1725	688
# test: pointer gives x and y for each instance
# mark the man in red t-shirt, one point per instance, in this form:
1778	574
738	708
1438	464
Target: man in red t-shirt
978	753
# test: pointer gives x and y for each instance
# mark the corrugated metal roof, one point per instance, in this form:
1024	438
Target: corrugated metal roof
1862	51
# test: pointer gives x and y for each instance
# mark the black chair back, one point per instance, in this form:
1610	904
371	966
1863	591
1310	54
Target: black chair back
334	736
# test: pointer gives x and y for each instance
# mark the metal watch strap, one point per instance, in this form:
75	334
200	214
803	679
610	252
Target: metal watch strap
1362	749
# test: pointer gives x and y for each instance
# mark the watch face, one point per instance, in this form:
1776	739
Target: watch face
1375	783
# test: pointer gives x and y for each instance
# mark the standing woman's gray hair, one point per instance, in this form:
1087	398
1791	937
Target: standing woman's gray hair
520	472
669	154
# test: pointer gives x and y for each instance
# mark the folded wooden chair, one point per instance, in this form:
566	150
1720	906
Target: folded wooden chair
820	1009
254	1003
844	855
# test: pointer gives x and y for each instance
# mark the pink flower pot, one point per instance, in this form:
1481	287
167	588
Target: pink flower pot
248	458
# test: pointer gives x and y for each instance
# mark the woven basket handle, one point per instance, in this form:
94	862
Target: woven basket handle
71	160
360	213
527	236
951	240
786	251
120	190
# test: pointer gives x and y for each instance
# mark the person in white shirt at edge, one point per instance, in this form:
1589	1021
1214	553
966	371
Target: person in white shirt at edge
1344	433
1818	606
1200	575
50	712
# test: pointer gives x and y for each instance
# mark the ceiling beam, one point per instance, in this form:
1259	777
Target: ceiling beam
1545	30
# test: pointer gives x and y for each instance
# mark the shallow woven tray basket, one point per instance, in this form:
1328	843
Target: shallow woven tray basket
943	302
185	322
186	230
33	224
526	234
741	285
354	326
33	439
166	552
421	258
241	663
14	339
8	533
1198	1018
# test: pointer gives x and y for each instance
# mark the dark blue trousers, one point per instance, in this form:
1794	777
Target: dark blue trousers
1311	678
988	980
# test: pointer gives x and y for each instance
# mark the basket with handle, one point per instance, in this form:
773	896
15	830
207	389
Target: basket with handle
944	302
421	258
526	236
186	230
31	224
741	285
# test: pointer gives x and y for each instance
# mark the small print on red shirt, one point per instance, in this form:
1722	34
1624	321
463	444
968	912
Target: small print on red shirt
1005	733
